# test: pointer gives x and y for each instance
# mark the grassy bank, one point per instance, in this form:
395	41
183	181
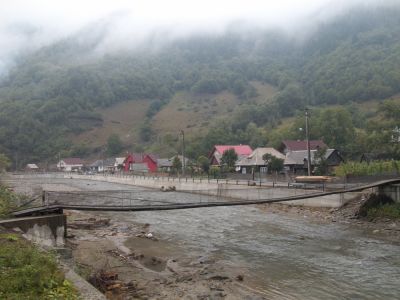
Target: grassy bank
6	201
27	273
391	211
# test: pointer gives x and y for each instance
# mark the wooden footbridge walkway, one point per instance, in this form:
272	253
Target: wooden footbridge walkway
154	200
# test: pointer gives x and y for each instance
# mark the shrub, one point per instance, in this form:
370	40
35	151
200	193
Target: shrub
27	273
6	201
368	169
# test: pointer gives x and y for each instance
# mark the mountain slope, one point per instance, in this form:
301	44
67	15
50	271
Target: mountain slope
66	91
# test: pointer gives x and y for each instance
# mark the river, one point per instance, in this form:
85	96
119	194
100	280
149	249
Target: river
283	257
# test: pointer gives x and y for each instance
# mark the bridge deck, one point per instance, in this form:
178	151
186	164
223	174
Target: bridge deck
173	206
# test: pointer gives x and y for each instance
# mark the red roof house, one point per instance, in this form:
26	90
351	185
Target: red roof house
140	158
292	145
218	150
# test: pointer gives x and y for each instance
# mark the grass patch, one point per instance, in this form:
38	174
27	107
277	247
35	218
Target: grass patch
7	200
27	273
391	211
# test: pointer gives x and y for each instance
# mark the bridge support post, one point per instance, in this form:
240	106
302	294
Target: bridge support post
390	190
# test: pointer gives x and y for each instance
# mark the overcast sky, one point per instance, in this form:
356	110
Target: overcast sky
29	24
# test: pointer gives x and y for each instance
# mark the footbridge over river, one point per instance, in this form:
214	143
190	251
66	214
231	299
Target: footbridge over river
154	199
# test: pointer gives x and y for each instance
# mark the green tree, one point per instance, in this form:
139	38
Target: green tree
229	158
203	163
145	132
4	162
273	163
320	162
176	165
114	145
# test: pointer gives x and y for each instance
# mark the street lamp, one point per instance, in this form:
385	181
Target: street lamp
183	153
308	145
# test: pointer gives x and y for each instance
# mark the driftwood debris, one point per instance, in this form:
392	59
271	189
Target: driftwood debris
90	223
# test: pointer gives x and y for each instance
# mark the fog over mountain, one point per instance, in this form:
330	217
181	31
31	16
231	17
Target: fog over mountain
28	25
160	67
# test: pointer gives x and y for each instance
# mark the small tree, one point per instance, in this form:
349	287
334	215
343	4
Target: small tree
176	165
114	145
229	158
273	163
203	163
4	162
321	164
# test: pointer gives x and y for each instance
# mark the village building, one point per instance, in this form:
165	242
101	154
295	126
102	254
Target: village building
255	162
293	145
165	164
71	164
215	155
119	163
109	165
31	168
296	161
97	166
132	160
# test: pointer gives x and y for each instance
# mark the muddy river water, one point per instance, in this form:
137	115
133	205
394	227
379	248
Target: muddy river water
284	257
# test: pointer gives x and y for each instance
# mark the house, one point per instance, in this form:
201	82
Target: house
97	166
165	164
296	161
119	163
32	168
109	165
140	158
139	168
255	161
292	145
218	150
71	164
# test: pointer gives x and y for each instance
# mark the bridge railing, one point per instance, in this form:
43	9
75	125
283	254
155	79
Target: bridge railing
148	197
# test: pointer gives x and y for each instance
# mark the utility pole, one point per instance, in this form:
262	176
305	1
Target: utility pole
183	153
308	145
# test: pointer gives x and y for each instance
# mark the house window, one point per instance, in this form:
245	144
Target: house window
263	169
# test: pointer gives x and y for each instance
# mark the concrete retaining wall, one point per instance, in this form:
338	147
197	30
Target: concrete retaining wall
215	188
45	230
226	190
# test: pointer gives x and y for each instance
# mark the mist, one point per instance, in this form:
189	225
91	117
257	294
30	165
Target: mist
26	26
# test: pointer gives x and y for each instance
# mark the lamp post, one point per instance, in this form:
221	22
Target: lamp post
308	145
183	153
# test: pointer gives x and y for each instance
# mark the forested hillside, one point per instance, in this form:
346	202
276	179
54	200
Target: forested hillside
56	92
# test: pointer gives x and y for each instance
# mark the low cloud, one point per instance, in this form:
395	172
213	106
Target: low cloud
28	25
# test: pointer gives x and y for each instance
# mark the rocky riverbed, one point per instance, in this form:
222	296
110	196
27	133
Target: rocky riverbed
266	252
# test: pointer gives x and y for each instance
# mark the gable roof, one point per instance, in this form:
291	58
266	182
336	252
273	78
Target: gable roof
239	149
292	145
153	157
119	160
72	161
109	162
97	163
298	157
32	166
164	162
256	157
